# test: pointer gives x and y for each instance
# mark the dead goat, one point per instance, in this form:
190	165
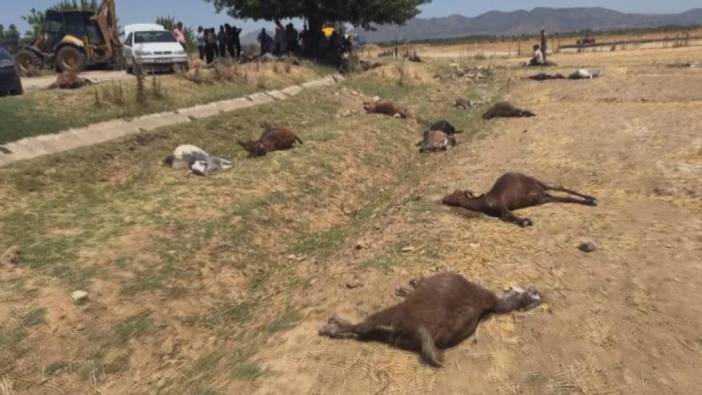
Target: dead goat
386	108
69	80
272	139
514	191
196	160
584	74
440	312
435	141
546	77
445	126
506	110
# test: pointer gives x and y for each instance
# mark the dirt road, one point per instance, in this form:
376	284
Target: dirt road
37	83
623	319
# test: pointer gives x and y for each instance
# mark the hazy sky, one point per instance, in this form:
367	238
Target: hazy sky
197	12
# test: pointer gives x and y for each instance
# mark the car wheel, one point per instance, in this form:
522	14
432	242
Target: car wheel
70	59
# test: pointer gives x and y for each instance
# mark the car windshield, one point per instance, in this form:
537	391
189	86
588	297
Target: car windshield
153	37
4	55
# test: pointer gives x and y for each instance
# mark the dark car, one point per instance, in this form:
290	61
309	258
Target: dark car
9	76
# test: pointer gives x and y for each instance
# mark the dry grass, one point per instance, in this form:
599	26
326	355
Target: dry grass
161	266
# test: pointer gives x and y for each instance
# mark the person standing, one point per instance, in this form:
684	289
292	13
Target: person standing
222	39
236	40
179	34
201	42
210	45
292	37
279	39
266	42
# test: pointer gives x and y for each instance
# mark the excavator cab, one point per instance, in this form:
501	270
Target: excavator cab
74	39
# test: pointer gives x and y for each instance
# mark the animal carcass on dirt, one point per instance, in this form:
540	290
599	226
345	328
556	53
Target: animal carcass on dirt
386	108
196	160
506	110
445	126
272	139
435	141
514	191
69	80
440	312
546	77
584	74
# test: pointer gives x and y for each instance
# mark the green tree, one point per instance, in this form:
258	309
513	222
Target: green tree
362	13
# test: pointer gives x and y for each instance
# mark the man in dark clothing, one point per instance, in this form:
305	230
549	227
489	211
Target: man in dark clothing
266	41
210	45
292	37
222	41
234	42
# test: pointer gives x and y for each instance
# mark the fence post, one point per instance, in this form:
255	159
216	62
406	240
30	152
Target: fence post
544	48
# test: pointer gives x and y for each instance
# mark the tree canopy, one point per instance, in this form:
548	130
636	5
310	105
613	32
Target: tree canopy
357	12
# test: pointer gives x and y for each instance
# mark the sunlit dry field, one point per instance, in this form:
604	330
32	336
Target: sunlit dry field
220	284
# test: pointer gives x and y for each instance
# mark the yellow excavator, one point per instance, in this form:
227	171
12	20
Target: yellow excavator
74	39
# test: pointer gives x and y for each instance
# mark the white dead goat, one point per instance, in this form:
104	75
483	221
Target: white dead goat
196	160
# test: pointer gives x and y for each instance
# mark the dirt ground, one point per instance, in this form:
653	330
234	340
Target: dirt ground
219	285
43	82
620	320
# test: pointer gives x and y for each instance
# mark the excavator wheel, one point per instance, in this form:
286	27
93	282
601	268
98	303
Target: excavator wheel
70	58
28	62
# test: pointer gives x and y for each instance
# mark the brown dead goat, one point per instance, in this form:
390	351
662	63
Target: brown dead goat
546	77
386	108
272	139
506	110
440	312
69	80
436	141
514	191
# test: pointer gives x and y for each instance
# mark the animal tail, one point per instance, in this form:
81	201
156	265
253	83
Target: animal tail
299	140
431	354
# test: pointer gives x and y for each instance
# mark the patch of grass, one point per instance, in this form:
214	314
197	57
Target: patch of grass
321	243
133	327
56	367
34	317
247	371
288	319
384	263
50	111
11	337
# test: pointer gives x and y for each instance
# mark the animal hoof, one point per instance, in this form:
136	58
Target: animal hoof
594	202
332	328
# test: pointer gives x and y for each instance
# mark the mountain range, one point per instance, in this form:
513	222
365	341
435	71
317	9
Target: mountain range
554	20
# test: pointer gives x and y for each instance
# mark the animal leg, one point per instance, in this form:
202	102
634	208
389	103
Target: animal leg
337	328
507	216
569	191
430	352
557	199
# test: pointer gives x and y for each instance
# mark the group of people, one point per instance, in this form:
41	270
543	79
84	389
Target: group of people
285	40
212	44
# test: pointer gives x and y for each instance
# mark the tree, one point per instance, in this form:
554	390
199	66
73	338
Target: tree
362	13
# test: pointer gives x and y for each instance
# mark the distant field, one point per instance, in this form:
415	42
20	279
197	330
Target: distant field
522	47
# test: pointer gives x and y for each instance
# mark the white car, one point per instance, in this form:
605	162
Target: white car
154	48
